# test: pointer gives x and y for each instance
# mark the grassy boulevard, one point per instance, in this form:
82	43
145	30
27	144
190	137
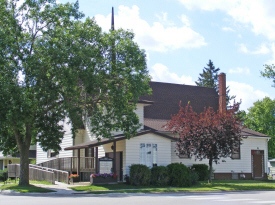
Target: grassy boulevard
12	185
216	185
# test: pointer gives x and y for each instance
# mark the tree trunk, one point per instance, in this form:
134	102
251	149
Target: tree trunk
23	144
210	170
24	166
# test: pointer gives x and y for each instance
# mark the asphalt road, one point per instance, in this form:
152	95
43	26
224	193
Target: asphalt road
218	198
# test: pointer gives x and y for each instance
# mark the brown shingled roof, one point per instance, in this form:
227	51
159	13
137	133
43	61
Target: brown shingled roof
248	132
166	98
157	125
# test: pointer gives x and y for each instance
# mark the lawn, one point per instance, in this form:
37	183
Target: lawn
216	185
24	189
12	185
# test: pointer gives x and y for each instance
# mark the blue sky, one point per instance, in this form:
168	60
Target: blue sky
180	36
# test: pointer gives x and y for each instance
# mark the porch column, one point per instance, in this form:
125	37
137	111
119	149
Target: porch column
78	161
96	160
114	154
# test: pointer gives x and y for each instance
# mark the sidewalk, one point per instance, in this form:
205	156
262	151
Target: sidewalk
61	188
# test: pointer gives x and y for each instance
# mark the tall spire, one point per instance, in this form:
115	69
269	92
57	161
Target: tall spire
113	20
113	42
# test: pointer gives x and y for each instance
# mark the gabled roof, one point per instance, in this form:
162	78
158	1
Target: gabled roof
166	98
103	141
248	132
157	125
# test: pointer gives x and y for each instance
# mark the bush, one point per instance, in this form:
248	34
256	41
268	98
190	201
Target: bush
33	161
179	175
201	170
159	176
139	175
3	175
194	177
127	179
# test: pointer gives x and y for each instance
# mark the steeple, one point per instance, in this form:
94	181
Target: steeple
113	20
113	41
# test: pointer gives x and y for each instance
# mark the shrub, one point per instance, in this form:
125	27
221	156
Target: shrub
33	161
127	179
202	171
159	176
194	177
3	175
179	175
139	175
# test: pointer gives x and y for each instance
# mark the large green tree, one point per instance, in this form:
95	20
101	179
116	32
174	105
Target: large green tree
261	118
54	67
209	78
269	72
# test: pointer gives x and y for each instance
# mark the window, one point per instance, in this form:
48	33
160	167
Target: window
184	156
148	154
51	153
236	151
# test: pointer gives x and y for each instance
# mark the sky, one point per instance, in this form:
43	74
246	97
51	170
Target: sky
181	36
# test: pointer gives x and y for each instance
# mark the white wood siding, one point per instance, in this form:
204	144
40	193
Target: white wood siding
140	112
132	148
67	141
41	156
236	165
79	140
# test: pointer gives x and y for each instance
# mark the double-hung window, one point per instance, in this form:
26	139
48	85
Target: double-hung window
148	154
236	151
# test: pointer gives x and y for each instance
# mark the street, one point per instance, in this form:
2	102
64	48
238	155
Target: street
217	198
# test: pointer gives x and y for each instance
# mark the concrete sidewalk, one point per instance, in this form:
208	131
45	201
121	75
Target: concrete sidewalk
61	188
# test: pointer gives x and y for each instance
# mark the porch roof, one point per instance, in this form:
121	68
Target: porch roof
115	138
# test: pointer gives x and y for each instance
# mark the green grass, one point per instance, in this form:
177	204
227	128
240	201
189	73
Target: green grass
12	185
12	181
24	189
216	185
40	182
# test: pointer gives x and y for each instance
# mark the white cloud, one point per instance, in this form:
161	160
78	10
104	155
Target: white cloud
161	73
259	15
163	18
262	49
239	70
228	29
184	19
156	37
246	93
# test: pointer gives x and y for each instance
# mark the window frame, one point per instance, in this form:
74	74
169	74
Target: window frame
147	155
237	153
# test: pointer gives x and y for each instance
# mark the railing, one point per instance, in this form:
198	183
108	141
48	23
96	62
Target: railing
70	164
40	173
58	175
13	170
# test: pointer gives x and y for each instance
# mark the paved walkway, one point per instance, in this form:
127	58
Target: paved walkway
61	188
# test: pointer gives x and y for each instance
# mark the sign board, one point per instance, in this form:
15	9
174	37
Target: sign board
105	165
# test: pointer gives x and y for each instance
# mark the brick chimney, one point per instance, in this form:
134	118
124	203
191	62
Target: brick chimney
222	93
